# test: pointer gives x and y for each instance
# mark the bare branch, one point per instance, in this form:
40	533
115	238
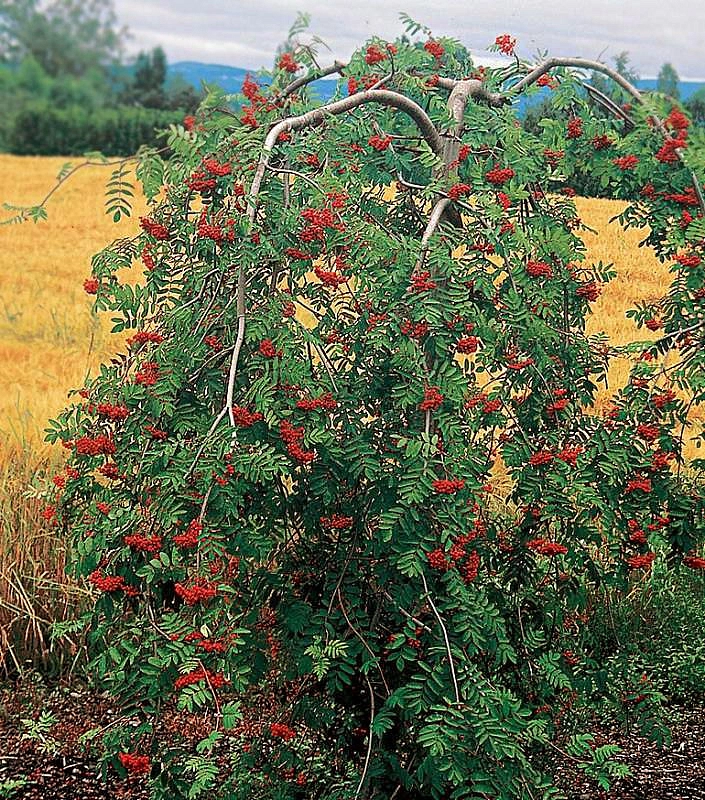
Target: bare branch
578	63
464	90
445	637
304	80
434	219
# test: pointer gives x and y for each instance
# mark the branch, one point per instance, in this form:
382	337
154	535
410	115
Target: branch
445	637
433	221
318	116
620	80
369	739
578	63
336	66
470	88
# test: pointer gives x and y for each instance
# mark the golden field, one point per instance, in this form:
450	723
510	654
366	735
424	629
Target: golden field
49	339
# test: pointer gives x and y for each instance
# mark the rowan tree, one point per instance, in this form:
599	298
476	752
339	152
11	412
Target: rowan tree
353	318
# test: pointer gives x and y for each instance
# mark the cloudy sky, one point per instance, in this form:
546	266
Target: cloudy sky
245	33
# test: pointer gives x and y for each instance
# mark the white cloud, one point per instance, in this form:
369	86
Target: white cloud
246	32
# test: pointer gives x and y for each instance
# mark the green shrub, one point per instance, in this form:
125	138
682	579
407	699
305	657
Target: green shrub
43	130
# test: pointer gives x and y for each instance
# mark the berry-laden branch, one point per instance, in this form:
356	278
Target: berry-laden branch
620	80
304	80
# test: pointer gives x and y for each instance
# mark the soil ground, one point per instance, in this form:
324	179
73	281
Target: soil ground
60	766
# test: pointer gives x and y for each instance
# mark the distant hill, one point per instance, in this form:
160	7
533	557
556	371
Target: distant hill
231	79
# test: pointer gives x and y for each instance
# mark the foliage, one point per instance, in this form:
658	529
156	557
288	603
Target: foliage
291	528
42	130
667	82
66	37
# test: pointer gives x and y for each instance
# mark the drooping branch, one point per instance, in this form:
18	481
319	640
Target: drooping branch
318	116
578	63
620	80
607	103
433	221
312	119
304	80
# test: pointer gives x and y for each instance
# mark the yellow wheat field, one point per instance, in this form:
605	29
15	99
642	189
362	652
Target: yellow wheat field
50	339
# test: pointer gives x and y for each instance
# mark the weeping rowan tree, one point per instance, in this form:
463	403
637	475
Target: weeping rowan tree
354	317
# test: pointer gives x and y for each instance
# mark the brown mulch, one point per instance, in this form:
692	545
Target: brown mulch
676	772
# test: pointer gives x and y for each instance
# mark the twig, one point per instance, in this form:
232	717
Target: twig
336	66
363	777
445	637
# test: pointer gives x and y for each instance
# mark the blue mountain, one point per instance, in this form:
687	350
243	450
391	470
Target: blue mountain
231	78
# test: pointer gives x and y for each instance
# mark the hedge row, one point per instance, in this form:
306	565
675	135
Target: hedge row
114	131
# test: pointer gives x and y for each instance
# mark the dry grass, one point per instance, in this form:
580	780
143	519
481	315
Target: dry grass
49	340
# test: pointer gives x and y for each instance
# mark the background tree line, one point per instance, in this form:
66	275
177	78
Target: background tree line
67	87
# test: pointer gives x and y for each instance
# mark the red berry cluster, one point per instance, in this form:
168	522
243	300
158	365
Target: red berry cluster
147	258
330	277
155	229
91	285
278	730
148	374
135	764
662	400
416	330
200	675
575	128
641	561
200	591
189	538
95	445
110	470
336	522
491	406
268	350
499	175
437	560
293	437
432	399
448	486
602	142
318	220
214	343
541	457
324	402
539	269
553	156
547	80
459	190
691	260
110	583
143	544
422	282
467	345
648	432
434	48
145	336
288	63
546	547
207	230
625	162
694	562
379	142
244	418
374	54
156	433
590	291
638	484
506	44
116	413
